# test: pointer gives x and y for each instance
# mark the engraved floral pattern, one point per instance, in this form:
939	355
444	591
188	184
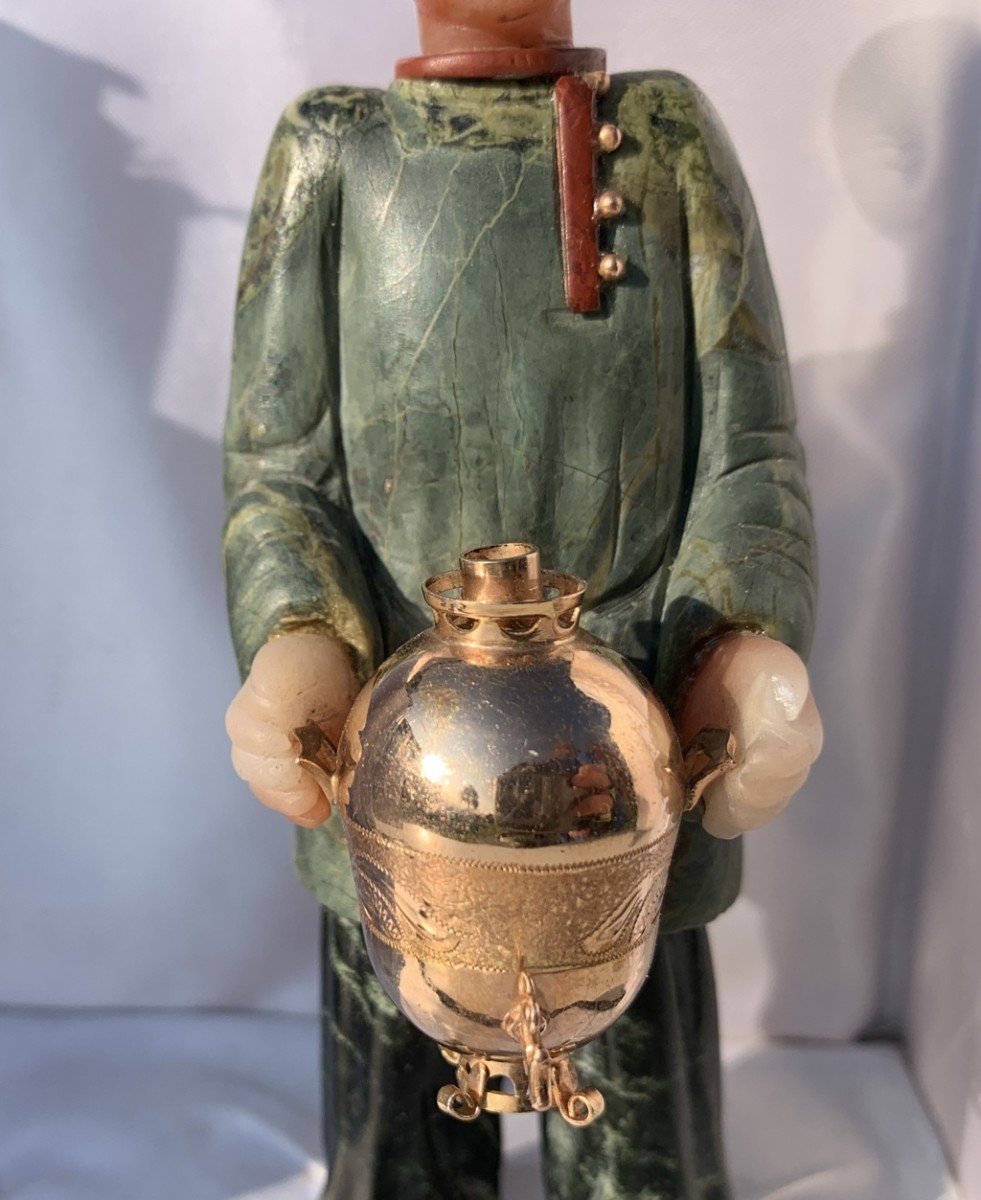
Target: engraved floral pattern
504	917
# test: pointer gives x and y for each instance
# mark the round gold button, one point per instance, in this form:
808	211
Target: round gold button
608	137
612	267
609	205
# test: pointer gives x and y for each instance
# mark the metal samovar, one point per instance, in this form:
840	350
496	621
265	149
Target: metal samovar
511	791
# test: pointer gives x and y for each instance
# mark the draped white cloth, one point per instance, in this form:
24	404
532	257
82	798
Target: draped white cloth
133	868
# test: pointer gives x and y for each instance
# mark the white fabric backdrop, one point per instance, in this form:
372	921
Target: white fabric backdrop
134	869
945	1013
192	1106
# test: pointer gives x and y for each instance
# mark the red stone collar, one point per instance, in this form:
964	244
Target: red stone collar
579	76
544	62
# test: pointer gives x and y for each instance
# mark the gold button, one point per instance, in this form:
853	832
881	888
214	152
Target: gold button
599	81
608	137
612	267
609	205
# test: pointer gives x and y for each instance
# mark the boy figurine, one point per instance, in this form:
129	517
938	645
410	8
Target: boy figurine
511	298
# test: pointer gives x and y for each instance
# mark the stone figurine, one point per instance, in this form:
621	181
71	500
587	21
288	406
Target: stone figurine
512	298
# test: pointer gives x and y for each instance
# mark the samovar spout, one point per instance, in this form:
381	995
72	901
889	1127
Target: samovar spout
537	1081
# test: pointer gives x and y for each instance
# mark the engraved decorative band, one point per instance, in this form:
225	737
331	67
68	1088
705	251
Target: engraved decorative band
461	912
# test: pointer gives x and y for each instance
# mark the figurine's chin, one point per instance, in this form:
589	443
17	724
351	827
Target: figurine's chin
459	26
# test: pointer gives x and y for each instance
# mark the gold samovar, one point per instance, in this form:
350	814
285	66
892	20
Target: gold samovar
511	791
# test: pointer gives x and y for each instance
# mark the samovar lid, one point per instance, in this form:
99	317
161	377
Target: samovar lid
501	598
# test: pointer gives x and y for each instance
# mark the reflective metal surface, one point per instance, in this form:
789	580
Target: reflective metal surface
511	792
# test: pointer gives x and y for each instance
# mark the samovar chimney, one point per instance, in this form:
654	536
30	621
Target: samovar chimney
509	572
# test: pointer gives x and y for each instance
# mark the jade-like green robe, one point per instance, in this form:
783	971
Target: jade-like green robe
409	383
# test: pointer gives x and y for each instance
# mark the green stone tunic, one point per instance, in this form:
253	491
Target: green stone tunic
408	383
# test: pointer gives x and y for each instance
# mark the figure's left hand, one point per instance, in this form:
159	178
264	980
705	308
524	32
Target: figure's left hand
759	690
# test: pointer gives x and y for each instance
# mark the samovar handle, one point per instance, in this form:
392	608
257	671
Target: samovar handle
708	756
317	755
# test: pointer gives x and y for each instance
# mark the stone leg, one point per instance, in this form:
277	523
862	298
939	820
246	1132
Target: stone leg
384	1137
658	1067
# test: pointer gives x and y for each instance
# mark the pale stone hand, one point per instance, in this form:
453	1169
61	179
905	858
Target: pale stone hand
758	689
296	678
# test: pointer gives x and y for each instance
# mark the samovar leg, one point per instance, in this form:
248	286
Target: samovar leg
465	1100
579	1106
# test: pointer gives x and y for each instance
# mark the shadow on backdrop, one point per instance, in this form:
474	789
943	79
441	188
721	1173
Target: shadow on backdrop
885	431
112	519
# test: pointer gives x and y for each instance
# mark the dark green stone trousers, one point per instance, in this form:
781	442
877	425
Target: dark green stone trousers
658	1067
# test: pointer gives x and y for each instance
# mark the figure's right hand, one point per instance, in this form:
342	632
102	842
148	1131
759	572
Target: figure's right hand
296	678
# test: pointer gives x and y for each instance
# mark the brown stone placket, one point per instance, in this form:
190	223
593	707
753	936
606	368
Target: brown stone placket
575	120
